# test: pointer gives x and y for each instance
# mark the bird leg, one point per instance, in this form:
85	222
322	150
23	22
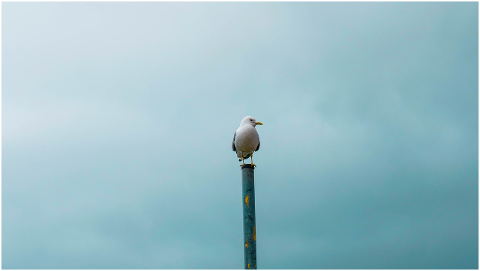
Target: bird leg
251	160
243	161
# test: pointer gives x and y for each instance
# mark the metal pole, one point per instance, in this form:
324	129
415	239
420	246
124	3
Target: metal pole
249	232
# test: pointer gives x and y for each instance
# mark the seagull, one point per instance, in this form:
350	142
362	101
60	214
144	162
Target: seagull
246	140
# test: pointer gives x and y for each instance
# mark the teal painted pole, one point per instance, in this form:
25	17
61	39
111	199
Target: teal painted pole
249	232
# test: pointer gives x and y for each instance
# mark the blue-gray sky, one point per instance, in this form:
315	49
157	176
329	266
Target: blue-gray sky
118	120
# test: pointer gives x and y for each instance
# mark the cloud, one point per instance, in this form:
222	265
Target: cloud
118	120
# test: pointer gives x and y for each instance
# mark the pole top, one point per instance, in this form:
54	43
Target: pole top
248	166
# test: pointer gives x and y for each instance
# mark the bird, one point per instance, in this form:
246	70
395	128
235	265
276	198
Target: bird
246	139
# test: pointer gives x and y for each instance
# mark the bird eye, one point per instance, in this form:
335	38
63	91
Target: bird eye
251	119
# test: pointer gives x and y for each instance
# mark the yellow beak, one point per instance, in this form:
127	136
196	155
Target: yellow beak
258	123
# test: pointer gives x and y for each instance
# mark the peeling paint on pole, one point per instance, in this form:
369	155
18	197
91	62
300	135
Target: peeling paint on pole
249	233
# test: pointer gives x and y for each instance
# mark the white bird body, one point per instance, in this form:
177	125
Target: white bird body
246	139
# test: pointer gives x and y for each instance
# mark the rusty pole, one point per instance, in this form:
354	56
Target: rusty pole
249	232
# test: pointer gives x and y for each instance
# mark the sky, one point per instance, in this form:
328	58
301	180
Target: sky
118	118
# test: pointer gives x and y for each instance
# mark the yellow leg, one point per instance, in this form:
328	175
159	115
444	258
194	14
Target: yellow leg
251	161
243	161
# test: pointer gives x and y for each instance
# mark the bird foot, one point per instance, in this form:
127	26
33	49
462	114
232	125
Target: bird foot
253	165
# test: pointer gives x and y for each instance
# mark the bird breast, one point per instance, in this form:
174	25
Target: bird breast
246	139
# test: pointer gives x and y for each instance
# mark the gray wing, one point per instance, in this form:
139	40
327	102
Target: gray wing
233	142
258	138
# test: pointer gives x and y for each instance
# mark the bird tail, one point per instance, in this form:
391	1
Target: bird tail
245	157
239	154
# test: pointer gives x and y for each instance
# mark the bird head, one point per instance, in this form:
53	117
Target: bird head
250	120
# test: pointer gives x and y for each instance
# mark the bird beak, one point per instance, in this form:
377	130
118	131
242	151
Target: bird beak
258	123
